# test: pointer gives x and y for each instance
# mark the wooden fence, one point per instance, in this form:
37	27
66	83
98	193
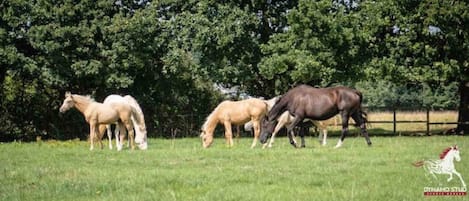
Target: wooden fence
427	121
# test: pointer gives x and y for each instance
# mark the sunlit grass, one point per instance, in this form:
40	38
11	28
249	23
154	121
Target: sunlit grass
181	170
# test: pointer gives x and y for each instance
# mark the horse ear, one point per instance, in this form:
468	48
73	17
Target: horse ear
67	94
455	147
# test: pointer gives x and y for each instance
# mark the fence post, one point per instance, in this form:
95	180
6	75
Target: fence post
394	120
428	121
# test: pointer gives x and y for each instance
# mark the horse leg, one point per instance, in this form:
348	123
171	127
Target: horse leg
237	133
92	135
130	131
122	133
277	128
109	135
450	177
303	130
345	117
460	178
290	131
228	133
256	125
358	118
101	130
322	132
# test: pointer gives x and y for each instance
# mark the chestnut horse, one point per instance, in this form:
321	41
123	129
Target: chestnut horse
97	114
231	113
318	104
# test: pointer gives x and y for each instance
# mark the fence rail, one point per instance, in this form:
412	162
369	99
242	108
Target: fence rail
426	121
188	125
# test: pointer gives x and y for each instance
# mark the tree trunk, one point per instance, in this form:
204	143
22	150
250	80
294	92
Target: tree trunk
463	108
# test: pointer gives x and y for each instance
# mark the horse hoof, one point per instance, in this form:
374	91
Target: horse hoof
369	144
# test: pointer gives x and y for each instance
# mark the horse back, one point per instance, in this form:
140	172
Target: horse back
321	103
240	112
102	113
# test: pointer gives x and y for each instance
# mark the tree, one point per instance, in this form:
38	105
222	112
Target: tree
409	42
319	47
421	42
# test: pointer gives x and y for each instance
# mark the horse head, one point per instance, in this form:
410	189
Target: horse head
206	139
68	102
451	153
267	128
455	150
141	137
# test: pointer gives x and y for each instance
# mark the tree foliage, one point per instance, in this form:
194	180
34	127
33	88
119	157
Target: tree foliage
170	55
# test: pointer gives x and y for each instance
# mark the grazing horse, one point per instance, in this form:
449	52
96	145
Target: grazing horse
237	113
444	165
286	119
318	104
137	121
97	114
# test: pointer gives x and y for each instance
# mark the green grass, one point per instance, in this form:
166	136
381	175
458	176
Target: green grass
181	170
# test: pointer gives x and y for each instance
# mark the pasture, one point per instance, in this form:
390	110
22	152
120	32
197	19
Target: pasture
181	169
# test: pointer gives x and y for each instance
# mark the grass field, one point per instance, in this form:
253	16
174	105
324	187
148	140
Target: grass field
181	170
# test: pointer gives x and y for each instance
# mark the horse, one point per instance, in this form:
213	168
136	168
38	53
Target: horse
139	125
286	119
98	114
305	101
444	165
236	113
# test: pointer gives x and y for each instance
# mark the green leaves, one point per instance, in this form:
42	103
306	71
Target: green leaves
170	53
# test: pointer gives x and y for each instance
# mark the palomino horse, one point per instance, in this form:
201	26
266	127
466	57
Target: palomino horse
139	125
237	113
318	104
97	113
444	165
286	119
248	126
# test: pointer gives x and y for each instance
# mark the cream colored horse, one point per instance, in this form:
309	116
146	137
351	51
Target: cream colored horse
98	114
137	121
230	113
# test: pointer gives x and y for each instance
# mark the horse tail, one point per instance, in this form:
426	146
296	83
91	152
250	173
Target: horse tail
361	112
418	163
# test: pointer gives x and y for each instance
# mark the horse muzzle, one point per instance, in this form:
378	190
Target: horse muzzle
263	138
143	146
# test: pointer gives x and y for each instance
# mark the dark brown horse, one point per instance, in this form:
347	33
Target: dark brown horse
317	104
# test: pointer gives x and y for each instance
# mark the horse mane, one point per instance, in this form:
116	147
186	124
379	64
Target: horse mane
136	107
278	108
445	152
271	102
210	117
87	97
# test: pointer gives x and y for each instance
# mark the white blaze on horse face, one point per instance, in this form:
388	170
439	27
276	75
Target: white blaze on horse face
67	104
206	139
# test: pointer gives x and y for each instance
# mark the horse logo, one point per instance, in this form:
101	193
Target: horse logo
444	165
